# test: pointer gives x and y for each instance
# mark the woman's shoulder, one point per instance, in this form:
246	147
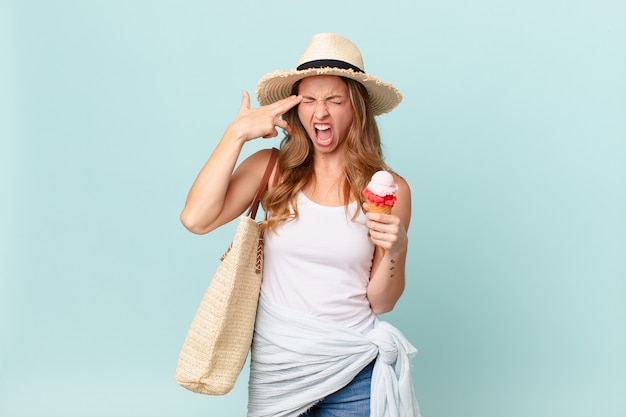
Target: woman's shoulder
402	208
400	181
260	157
257	163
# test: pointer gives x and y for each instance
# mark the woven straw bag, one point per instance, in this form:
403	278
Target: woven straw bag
219	337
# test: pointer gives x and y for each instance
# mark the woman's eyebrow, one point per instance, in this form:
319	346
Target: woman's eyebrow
331	97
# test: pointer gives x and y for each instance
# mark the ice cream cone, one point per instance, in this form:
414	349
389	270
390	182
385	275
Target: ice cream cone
380	195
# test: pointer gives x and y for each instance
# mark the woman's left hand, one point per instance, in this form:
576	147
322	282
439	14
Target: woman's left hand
386	231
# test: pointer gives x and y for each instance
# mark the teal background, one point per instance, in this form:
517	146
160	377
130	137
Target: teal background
512	135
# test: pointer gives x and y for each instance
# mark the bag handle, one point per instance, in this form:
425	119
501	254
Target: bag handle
266	177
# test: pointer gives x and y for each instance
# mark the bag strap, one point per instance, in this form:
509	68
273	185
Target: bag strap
266	177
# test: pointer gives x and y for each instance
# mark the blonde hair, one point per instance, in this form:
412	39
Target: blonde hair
362	151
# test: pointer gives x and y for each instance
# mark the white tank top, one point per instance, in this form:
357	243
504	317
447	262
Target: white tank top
320	264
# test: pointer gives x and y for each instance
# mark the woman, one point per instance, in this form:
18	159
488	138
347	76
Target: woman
319	348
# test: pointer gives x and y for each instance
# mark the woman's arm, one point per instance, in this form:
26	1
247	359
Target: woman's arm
389	231
218	195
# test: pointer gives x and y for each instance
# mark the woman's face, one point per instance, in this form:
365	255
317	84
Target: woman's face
325	110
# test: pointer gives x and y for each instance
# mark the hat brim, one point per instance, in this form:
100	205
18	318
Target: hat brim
277	85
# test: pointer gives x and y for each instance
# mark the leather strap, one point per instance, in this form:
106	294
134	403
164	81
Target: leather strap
266	177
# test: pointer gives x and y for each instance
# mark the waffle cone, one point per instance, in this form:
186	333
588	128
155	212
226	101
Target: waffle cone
384	209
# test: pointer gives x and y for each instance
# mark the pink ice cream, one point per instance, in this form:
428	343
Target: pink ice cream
381	190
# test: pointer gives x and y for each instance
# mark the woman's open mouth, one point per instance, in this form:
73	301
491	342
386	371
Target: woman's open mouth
323	134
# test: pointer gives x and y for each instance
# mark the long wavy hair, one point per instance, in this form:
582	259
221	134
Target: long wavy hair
361	148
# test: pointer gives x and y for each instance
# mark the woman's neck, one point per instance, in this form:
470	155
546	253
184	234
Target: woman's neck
327	185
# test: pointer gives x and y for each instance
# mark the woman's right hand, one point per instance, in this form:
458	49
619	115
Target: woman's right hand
261	122
220	192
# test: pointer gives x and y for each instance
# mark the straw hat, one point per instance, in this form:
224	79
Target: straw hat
329	54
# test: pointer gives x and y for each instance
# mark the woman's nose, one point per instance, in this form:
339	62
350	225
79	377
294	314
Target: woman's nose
321	110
